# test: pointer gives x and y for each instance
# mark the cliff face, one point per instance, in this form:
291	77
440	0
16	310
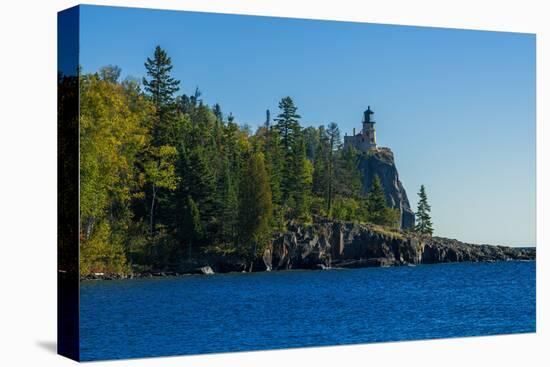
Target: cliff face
327	244
346	245
381	162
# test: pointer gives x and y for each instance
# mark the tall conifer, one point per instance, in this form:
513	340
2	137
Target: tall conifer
423	219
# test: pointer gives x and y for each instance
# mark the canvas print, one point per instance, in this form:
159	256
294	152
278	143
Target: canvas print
234	183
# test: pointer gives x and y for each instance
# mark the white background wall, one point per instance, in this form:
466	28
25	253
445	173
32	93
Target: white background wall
28	182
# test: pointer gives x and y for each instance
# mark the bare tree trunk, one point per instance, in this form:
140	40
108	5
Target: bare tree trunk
89	228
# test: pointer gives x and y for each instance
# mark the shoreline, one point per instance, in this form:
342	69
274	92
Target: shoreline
173	274
328	244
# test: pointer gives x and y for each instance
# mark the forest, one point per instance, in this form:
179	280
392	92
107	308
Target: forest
164	177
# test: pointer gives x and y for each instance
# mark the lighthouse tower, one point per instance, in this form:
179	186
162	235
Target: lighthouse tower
369	133
366	139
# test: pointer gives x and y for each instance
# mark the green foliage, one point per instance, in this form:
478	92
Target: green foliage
320	181
160	85
347	180
192	226
255	207
423	220
300	180
199	181
165	178
347	209
103	252
160	173
226	203
159	169
287	123
333	138
377	207
293	148
113	133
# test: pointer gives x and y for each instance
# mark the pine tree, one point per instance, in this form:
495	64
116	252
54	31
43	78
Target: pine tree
267	123
424	221
226	203
192	225
377	207
312	137
301	179
217	110
161	87
320	164
255	208
376	199
290	132
287	123
347	176
199	182
274	160
333	137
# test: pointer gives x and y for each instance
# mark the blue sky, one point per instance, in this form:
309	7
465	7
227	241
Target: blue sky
457	107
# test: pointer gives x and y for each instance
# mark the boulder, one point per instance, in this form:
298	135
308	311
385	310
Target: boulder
207	270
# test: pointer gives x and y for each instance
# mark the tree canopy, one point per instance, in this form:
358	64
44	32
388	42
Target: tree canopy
166	177
423	218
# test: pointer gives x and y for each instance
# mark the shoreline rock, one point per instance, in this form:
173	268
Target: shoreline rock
332	244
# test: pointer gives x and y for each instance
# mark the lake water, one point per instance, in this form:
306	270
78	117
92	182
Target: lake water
238	312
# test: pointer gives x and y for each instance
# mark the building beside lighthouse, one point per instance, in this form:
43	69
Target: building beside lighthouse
366	139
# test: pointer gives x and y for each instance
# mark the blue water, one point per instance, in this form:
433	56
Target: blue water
237	312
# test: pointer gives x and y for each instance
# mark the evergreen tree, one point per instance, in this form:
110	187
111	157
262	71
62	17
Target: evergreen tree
378	210
347	176
320	172
230	118
255	208
192	225
267	119
161	87
312	137
199	182
333	137
226	203
301	179
423	219
217	110
287	123
289	131
274	160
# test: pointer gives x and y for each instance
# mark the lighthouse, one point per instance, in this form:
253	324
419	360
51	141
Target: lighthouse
366	139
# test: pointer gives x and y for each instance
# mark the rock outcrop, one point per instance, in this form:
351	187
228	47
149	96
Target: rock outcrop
332	244
381	162
347	245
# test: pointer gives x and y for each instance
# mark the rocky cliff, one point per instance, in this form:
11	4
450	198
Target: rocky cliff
381	162
329	244
347	245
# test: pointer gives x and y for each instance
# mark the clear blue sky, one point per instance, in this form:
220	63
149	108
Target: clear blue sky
457	107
